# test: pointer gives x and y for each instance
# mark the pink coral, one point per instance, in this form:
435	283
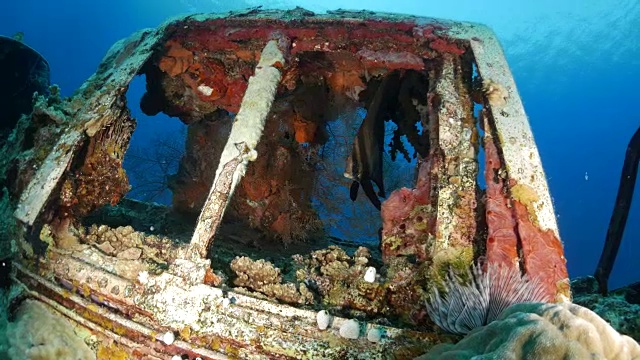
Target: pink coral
501	238
402	201
403	218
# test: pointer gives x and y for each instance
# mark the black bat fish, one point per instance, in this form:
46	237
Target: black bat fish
364	165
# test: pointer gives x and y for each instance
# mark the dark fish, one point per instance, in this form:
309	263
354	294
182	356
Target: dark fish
364	165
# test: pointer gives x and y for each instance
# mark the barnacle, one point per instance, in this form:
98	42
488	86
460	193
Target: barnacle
488	292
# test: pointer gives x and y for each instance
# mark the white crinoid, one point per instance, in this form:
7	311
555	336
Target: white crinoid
480	300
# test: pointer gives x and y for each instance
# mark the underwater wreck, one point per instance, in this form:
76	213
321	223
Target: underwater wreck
254	88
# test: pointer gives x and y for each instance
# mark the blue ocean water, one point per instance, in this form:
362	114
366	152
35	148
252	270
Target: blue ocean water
576	65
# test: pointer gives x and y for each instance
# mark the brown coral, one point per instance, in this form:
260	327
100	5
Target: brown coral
176	60
496	93
129	247
305	131
265	278
339	280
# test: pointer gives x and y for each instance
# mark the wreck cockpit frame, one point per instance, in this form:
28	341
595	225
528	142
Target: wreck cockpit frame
252	64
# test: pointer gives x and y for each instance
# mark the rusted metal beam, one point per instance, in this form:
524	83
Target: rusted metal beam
457	166
140	339
528	192
83	277
243	139
34	197
515	138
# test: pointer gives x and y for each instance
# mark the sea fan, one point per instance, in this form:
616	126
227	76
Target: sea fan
480	301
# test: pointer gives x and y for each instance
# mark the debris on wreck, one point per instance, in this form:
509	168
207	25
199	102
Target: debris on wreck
620	212
262	94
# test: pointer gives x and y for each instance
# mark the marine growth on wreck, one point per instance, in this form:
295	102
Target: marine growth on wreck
297	127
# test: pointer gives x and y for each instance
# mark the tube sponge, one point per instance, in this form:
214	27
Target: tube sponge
541	331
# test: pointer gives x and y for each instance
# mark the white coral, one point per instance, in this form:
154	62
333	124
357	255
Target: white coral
542	331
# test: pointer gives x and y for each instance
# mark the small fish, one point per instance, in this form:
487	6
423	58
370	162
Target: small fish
364	165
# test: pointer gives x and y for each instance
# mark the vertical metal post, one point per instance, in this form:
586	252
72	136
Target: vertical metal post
243	139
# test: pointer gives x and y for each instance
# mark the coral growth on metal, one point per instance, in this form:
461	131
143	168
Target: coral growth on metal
281	71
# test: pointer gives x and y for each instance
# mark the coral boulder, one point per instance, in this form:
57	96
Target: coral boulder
542	331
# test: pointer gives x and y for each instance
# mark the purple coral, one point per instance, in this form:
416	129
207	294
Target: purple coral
488	292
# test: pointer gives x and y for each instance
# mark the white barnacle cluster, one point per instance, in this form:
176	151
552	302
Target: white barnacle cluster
323	318
143	277
350	329
205	90
370	274
168	338
226	301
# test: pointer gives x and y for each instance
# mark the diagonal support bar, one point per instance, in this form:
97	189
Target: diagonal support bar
243	139
34	197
